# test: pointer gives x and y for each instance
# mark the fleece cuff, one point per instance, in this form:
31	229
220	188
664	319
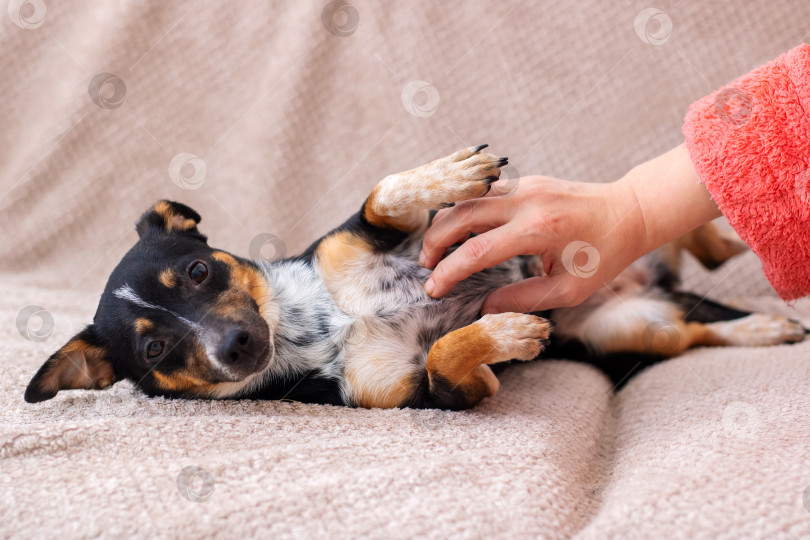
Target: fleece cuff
750	145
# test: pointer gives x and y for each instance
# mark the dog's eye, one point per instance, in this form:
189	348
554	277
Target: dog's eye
154	349
198	272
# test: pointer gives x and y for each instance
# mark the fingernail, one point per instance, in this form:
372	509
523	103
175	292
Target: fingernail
422	258
429	286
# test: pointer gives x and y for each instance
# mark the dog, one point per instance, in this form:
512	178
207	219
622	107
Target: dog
348	322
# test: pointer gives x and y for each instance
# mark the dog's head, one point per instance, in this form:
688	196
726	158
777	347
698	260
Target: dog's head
177	317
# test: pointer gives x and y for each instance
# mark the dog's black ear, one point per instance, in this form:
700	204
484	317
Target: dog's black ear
82	363
168	217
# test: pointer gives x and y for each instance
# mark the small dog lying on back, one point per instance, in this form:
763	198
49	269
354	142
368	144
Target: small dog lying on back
348	322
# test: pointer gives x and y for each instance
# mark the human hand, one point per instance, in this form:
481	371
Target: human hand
585	233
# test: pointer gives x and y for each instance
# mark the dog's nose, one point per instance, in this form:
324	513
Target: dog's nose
236	345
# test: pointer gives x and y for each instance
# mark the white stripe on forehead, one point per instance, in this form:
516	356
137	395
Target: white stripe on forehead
207	340
126	293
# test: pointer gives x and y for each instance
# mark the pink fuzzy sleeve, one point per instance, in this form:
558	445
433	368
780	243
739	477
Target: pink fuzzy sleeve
750	145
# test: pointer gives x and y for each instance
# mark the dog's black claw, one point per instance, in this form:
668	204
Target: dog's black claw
551	323
447	205
806	330
479	148
490	179
503	161
545	342
489	187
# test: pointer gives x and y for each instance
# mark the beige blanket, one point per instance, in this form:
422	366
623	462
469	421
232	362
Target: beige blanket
290	113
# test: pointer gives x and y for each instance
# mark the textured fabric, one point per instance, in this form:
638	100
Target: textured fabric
710	445
295	124
750	144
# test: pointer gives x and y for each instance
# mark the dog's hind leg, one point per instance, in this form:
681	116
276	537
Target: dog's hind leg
709	244
666	327
724	325
458	376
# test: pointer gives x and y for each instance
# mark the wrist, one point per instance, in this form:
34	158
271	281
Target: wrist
670	197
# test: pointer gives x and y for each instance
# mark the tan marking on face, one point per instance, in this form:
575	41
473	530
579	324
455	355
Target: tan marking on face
195	376
249	280
180	381
227	258
231	302
168	278
142	325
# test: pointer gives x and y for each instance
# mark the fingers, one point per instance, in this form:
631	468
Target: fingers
497	190
453	225
483	251
533	294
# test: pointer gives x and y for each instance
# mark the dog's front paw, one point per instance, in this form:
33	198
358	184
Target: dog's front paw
466	174
516	335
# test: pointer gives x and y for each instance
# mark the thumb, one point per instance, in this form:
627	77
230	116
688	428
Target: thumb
533	294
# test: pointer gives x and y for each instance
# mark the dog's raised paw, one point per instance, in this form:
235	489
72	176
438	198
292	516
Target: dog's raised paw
517	336
466	174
